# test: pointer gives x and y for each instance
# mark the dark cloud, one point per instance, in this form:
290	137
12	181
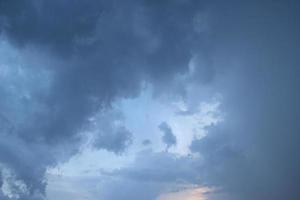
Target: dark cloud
57	23
168	138
72	59
251	154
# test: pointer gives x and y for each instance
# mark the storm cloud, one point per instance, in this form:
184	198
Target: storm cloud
65	64
73	60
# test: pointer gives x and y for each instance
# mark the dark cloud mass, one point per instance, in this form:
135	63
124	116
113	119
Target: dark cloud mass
63	63
252	154
87	54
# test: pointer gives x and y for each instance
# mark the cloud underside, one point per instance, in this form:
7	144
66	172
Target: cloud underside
64	63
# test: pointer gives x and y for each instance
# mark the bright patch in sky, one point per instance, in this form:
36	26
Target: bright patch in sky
186	194
142	116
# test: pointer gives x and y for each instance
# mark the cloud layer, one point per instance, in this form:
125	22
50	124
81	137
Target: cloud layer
65	63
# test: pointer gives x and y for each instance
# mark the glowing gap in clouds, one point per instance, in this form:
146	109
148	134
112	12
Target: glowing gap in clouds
187	194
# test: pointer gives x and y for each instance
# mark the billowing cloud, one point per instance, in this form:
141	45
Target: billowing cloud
65	63
68	60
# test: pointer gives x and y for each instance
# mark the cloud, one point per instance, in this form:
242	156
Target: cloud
65	61
146	142
62	62
108	131
116	141
168	138
250	154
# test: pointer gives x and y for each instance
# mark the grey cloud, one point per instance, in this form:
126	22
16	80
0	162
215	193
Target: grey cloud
92	53
168	138
152	40
96	52
109	131
251	154
116	140
56	23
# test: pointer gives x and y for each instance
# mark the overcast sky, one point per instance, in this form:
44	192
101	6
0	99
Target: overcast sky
149	100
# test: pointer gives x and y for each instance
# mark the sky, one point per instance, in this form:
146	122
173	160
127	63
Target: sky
149	100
